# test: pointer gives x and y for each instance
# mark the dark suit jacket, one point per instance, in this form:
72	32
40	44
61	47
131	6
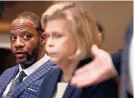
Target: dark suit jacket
116	58
106	89
121	58
30	87
125	61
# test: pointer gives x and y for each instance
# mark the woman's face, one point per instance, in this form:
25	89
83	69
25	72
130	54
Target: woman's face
60	44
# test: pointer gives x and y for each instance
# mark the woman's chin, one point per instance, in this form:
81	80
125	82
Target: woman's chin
55	60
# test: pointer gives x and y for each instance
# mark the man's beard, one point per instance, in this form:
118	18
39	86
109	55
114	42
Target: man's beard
29	59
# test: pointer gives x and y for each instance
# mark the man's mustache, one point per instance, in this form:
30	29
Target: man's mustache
20	52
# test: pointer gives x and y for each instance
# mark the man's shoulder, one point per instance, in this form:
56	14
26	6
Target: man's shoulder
45	69
48	64
10	70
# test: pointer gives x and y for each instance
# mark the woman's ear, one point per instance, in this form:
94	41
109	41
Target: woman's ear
100	38
43	38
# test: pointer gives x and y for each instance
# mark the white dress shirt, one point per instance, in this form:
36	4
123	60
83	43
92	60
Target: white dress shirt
60	90
131	67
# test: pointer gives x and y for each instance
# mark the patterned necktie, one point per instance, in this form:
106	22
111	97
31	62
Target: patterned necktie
15	83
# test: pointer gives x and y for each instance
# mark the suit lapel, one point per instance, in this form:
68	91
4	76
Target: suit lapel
39	73
70	89
50	84
6	77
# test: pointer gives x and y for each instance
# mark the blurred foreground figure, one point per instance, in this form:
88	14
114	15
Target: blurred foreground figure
71	30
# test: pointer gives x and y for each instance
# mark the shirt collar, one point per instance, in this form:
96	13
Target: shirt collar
35	66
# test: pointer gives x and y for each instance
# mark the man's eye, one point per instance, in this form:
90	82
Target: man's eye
28	36
13	38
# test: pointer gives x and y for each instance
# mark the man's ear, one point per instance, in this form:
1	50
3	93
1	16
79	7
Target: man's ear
43	38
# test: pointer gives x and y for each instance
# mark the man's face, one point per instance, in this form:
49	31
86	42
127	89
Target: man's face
25	41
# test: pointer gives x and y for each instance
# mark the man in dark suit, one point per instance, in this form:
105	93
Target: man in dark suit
24	79
105	66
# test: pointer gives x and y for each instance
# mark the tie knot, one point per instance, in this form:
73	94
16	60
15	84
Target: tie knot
21	76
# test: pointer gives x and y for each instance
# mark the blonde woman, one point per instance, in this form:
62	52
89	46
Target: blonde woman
71	31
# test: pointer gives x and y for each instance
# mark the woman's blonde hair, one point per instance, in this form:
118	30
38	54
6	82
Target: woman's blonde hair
80	24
